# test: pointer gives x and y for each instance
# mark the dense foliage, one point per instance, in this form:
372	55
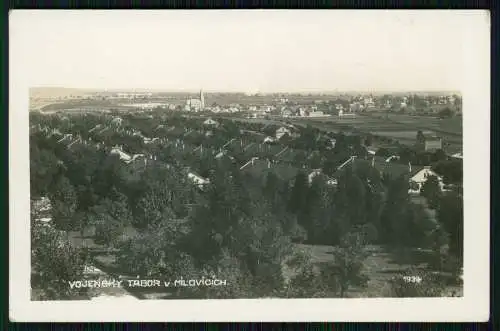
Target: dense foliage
240	227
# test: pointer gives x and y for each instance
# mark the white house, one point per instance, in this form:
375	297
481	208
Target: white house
342	114
317	114
418	180
266	109
286	113
150	141
137	133
222	154
282	131
117	121
198	180
194	104
269	140
117	150
369	102
210	122
136	156
392	157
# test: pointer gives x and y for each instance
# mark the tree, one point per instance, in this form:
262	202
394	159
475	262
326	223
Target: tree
107	228
450	170
351	197
450	215
110	218
446	112
110	174
439	155
54	263
155	253
161	190
348	259
44	169
309	280
420	138
396	200
297	201
224	203
238	280
431	190
324	222
271	187
368	140
64	202
412	229
383	152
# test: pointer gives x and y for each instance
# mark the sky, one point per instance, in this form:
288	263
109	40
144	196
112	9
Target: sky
246	51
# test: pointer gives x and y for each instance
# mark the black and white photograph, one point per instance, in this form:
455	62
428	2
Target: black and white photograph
315	160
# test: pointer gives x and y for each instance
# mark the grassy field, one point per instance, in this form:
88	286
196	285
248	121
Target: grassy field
84	104
381	265
400	127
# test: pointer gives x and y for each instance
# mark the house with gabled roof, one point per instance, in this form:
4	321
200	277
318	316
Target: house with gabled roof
269	140
416	175
286	112
68	137
117	121
198	180
392	169
118	150
282	131
418	179
125	157
210	122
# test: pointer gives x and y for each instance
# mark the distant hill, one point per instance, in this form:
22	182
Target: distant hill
55	92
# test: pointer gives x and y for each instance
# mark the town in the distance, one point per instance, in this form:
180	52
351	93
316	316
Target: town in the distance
274	195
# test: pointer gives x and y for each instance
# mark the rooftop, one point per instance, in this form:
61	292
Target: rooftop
393	169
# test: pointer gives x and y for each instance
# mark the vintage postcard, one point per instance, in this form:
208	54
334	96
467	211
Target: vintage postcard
264	165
